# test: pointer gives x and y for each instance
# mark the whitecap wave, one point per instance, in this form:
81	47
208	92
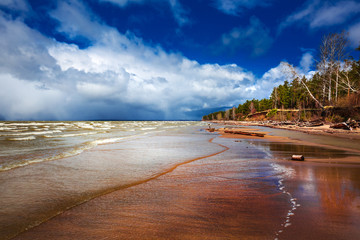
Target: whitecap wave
22	139
70	135
30	133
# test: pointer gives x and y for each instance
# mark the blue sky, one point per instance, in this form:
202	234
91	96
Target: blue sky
156	59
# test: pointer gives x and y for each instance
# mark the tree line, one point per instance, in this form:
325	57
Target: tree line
336	83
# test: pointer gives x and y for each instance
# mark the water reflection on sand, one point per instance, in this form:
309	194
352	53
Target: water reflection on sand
251	191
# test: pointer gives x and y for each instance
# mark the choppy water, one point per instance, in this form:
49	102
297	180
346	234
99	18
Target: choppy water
23	143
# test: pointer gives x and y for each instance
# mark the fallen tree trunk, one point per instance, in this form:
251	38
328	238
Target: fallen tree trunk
342	125
315	124
245	133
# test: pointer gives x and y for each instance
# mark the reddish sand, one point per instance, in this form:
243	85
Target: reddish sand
203	199
344	160
222	197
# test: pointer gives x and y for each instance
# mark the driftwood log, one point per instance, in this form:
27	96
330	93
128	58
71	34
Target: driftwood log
342	125
245	133
297	157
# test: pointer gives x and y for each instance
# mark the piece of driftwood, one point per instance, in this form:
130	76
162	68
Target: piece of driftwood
297	157
314	124
342	125
245	133
352	123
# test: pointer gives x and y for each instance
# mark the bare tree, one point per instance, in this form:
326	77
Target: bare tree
345	82
290	69
227	114
332	54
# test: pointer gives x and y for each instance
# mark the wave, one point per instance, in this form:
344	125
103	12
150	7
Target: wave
148	128
76	151
30	133
7	128
70	135
39	160
22	139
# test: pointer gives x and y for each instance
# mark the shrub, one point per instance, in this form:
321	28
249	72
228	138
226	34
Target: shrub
271	113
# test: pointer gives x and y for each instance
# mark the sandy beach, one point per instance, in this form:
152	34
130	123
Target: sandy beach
318	130
246	189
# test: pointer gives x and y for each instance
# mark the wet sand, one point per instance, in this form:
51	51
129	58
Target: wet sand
243	192
35	193
211	198
353	157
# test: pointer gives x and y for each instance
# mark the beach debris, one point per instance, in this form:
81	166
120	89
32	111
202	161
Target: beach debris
210	129
315	123
245	133
352	123
342	125
298	157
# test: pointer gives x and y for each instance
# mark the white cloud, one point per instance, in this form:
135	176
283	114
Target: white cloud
319	14
233	7
25	100
15	5
354	35
176	7
76	20
332	15
306	62
256	36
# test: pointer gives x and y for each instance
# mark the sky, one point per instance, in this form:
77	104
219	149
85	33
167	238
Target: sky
156	59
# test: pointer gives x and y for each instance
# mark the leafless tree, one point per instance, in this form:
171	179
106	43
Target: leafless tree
345	81
233	113
290	69
332	54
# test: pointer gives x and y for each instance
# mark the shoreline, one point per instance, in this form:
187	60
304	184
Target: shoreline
352	159
324	130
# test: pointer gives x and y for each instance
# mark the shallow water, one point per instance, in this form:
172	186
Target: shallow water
280	150
338	142
176	184
23	143
42	190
